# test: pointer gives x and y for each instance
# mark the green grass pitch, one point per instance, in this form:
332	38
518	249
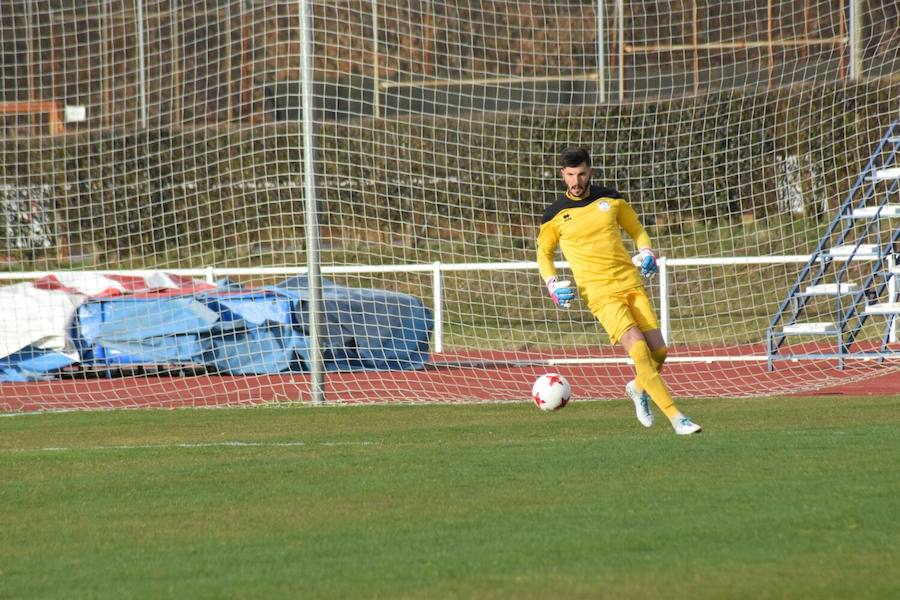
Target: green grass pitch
778	498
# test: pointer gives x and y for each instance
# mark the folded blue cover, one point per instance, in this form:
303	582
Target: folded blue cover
240	331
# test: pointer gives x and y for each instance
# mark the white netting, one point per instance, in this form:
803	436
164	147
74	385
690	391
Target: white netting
153	212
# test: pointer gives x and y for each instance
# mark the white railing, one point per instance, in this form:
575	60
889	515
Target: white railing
210	274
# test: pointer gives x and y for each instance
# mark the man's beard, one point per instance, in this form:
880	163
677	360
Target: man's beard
586	187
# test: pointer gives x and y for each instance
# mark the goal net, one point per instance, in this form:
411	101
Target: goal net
153	195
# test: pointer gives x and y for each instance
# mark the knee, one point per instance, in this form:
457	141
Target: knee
659	355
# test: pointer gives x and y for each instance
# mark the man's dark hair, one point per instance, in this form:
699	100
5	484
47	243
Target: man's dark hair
572	157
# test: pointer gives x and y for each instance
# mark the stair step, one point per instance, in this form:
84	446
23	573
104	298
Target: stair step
864	251
831	289
810	329
867	212
884	308
885	174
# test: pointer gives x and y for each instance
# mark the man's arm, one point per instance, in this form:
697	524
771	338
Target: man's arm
629	221
561	291
548	239
645	259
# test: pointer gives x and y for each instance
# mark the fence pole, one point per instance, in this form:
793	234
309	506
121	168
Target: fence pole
142	67
601	56
855	39
437	284
892	295
620	11
376	76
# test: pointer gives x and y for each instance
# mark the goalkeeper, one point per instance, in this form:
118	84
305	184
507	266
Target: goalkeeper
585	224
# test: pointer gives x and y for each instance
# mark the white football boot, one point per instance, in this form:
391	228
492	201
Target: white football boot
641	403
684	426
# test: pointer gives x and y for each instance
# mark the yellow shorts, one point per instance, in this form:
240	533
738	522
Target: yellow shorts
620	311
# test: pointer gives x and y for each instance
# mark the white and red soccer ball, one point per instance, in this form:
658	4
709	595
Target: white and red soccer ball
551	391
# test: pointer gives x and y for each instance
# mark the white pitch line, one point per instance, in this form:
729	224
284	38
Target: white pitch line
228	444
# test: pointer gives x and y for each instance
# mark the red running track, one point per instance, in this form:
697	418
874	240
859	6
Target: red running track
463	377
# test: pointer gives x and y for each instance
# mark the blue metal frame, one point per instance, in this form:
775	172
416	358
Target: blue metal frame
884	155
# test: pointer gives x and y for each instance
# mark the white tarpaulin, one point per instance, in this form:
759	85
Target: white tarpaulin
39	313
32	316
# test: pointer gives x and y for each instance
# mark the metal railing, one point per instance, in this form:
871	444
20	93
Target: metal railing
438	269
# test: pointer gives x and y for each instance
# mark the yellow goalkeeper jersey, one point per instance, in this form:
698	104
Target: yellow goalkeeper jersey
587	232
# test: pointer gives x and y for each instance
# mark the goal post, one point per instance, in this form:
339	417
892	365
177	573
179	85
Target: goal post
428	134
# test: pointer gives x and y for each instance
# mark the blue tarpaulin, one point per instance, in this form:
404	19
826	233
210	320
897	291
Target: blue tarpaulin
31	363
235	330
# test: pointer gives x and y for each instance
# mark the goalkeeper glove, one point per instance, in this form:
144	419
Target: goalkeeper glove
562	292
645	260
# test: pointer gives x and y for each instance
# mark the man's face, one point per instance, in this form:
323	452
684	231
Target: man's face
577	179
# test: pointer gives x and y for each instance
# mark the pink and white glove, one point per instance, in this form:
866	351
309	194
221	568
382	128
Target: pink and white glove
562	292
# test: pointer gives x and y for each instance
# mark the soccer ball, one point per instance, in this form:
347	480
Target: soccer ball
551	391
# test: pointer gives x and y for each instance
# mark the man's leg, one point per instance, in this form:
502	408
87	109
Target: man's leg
658	351
622	316
644	316
657	345
646	367
649	379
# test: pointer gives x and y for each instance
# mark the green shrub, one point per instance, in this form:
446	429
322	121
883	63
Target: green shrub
474	183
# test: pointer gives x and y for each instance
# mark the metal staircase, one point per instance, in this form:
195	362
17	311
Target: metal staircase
855	266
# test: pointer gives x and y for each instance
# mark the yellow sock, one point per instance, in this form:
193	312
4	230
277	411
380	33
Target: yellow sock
659	357
648	378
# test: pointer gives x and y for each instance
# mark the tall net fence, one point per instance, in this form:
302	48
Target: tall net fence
153	213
